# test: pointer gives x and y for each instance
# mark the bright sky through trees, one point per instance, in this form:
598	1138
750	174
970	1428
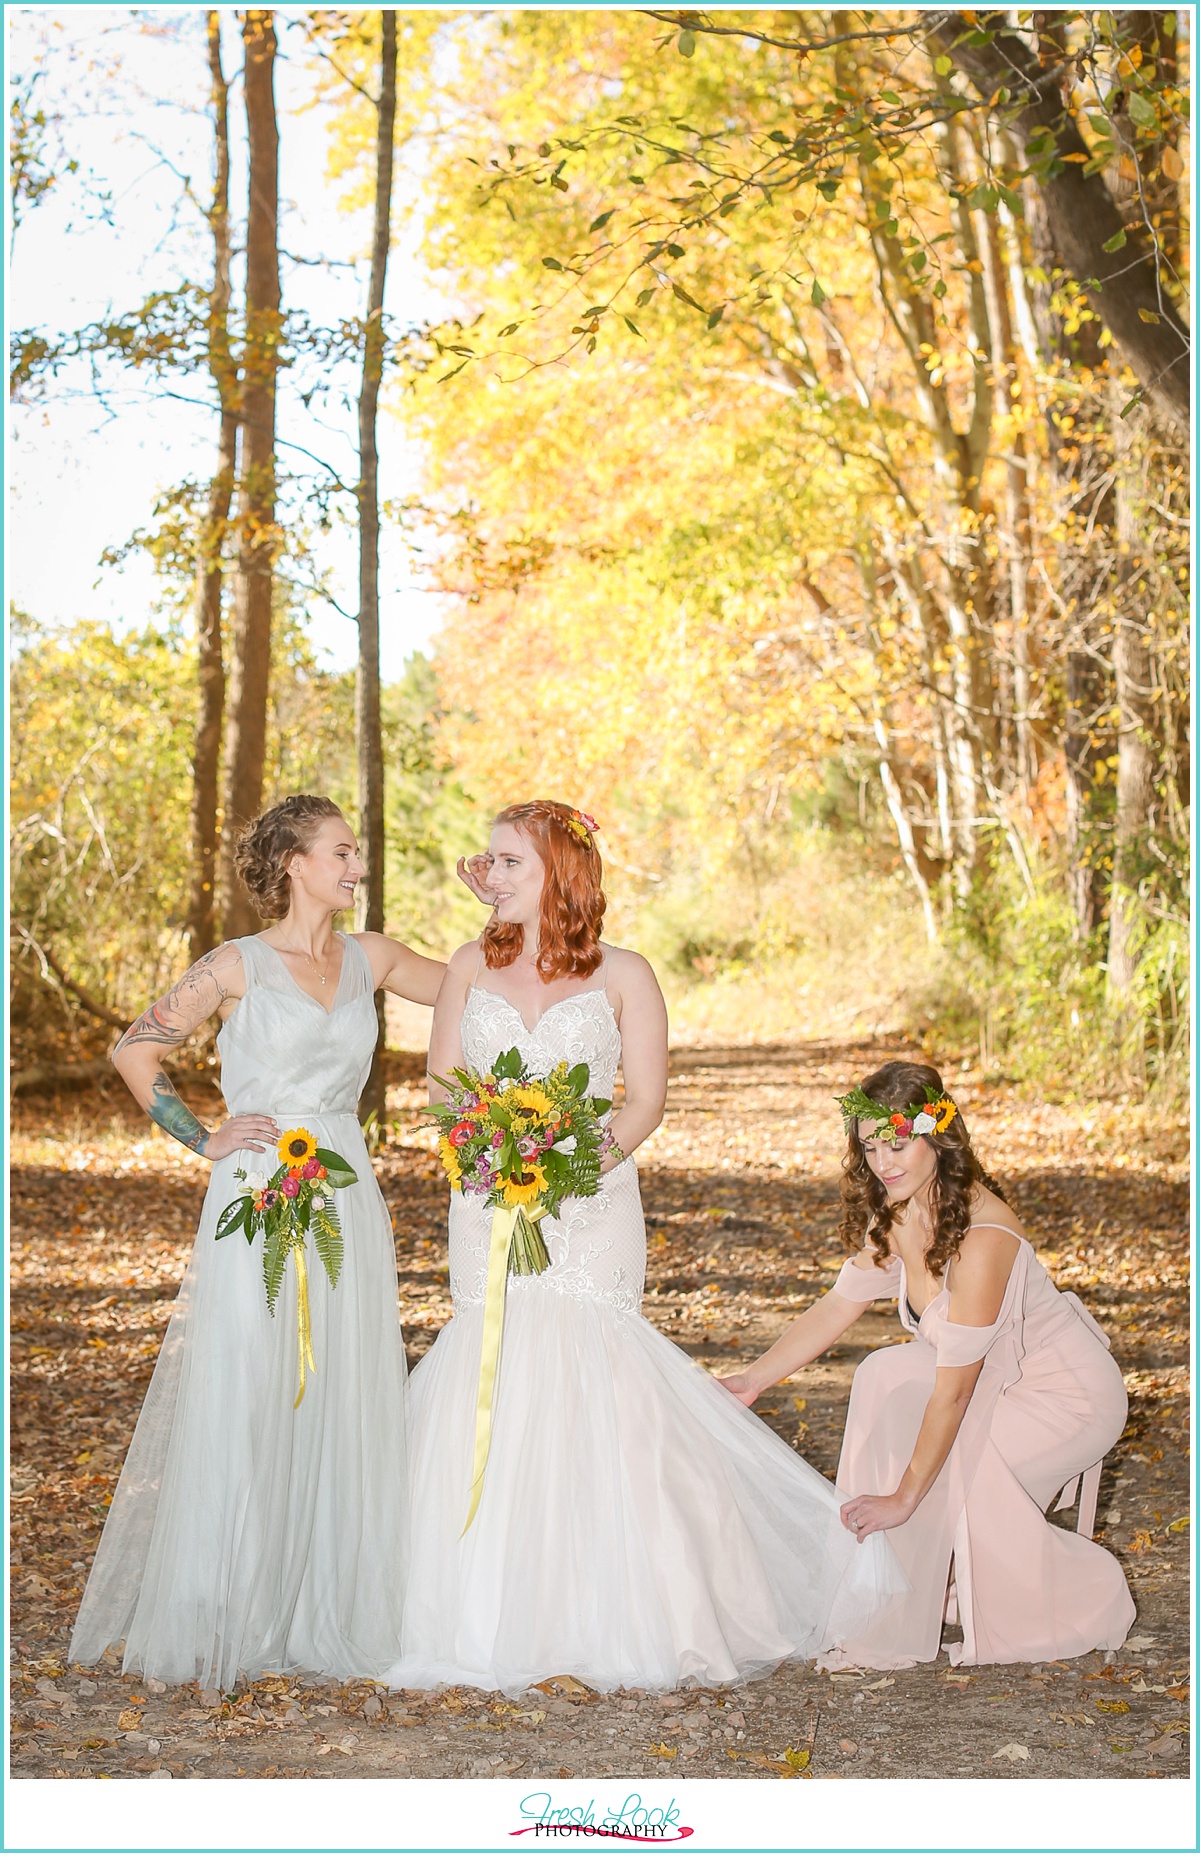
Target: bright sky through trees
134	96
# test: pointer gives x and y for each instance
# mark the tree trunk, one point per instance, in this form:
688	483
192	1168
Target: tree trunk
1135	724
904	831
367	706
206	754
1083	699
246	738
1081	215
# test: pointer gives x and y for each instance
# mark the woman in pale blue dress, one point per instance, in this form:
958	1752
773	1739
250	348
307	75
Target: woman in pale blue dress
247	1536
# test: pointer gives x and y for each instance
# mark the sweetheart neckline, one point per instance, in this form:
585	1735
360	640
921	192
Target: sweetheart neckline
574	999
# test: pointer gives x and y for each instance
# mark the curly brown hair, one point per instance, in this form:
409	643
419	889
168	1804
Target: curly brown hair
266	846
865	1203
572	905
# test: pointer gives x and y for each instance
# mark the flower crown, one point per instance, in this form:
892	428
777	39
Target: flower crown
583	826
934	1116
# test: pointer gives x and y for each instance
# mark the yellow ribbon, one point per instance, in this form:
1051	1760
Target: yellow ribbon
504	1221
303	1321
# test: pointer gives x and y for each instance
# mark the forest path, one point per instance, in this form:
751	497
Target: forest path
741	1200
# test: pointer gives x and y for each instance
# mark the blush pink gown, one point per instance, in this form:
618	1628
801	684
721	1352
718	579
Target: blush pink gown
1048	1404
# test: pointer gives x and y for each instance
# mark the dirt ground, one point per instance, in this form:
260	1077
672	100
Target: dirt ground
740	1192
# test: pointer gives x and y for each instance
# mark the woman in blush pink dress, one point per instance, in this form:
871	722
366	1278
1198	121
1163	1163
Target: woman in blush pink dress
957	1443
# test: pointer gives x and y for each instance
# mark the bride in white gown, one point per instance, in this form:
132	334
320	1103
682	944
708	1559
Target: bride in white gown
638	1526
247	1536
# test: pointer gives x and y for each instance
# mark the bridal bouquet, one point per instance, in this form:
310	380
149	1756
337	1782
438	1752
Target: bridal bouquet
295	1201
523	1145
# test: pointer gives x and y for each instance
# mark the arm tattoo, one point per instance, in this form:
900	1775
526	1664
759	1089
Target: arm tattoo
172	1019
167	1110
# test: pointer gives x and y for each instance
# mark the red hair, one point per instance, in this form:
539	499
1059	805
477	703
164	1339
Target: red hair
572	904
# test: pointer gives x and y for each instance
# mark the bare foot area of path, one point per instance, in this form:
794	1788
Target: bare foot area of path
740	1191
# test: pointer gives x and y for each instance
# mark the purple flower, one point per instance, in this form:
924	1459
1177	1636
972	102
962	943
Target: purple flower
497	1140
290	1186
529	1147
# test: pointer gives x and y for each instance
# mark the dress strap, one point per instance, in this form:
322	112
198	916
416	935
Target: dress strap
478	966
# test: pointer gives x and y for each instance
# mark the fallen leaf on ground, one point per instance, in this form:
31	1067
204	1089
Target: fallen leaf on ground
1137	1642
1112	1704
848	1747
798	1759
877	1685
1011	1753
664	1750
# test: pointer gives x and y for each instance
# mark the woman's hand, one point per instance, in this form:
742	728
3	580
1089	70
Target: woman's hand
870	1513
472	871
740	1386
242	1134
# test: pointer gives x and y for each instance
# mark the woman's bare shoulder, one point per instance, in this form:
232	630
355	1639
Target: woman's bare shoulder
991	1214
626	967
464	960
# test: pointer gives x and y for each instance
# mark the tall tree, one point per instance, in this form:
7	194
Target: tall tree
367	707
245	741
201	923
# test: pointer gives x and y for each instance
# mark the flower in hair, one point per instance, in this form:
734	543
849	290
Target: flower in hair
933	1115
582	826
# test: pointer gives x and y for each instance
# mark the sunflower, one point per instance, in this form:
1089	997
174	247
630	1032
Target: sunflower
943	1111
297	1147
525	1188
533	1099
449	1157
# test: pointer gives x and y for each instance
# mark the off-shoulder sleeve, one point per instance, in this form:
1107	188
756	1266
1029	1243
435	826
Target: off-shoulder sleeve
965	1344
864	1284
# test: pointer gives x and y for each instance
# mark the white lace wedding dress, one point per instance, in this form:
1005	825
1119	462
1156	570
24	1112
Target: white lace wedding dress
638	1526
246	1537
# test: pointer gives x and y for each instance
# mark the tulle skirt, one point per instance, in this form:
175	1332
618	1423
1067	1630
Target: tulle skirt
638	1526
247	1537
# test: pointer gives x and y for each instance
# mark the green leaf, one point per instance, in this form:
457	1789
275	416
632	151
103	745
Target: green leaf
1116	242
939	288
818	294
578	1077
943	65
235	1215
687	43
600	1106
889	96
715	316
677	289
340	1174
1102	125
551	263
275	1254
598	225
327	1240
1148	315
1142	110
631	324
828	189
509	1066
675	250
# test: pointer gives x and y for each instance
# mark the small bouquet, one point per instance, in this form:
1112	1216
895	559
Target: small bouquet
294	1201
522	1144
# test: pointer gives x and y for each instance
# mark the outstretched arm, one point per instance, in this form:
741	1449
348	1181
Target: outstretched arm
213	980
981	1271
402	971
805	1339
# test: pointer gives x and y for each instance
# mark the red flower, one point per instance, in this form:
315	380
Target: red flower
458	1135
290	1186
321	1171
311	1169
903	1126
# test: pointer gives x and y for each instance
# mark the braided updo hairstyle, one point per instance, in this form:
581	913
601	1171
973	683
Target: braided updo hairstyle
266	846
865	1201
